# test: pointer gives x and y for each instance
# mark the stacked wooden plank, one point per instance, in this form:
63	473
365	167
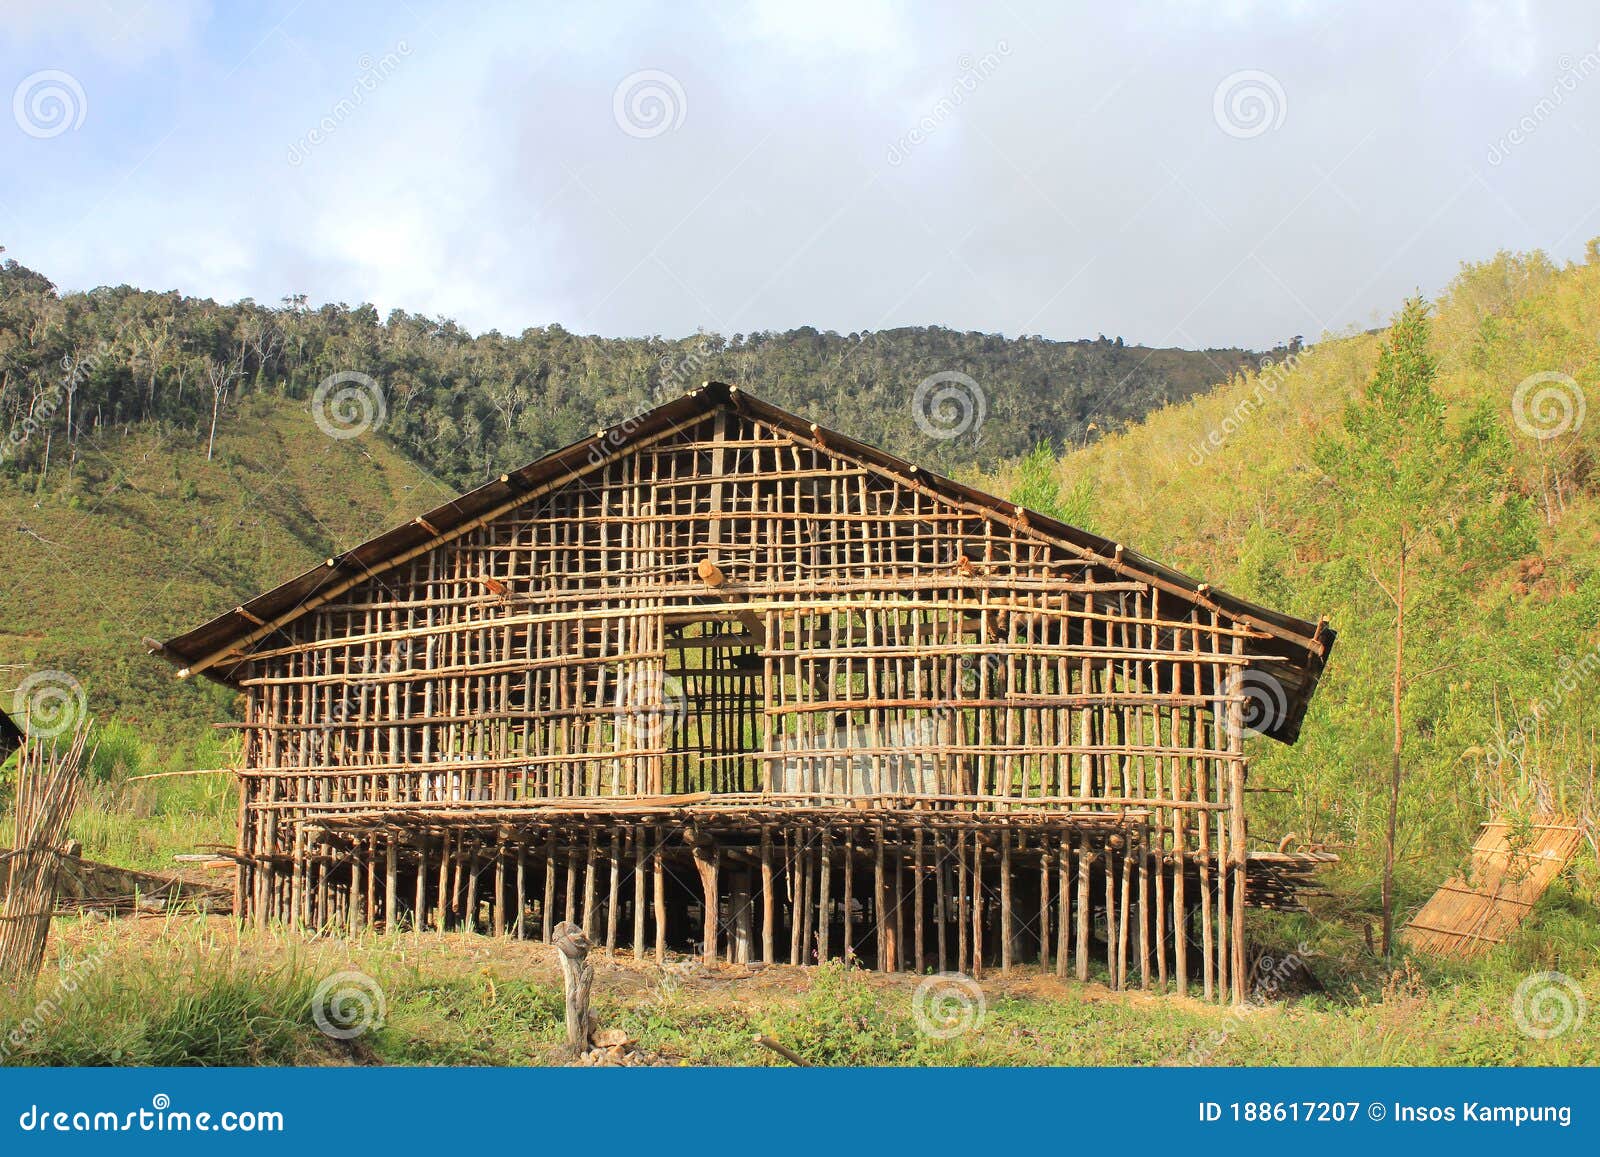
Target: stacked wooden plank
1511	866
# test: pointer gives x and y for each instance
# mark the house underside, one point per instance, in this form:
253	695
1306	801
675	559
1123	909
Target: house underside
720	681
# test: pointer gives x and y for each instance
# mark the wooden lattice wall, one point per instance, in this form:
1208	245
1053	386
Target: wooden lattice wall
872	719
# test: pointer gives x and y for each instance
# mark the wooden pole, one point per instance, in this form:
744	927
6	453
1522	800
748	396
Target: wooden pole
613	893
918	916
639	896
1007	927
661	894
824	881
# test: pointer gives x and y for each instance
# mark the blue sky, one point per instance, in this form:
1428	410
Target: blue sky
1176	173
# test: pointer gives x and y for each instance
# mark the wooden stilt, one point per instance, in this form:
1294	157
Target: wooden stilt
1007	926
1063	904
636	890
769	901
391	883
918	916
941	903
521	932
549	906
613	892
1085	867
823	901
977	906
661	894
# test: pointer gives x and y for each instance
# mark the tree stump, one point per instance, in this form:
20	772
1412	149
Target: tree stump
577	977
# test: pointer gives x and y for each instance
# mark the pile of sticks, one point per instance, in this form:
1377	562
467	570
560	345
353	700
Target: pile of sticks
49	779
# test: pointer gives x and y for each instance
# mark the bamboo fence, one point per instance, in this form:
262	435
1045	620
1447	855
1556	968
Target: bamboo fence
49	779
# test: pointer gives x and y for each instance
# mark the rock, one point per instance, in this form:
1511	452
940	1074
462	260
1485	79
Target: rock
611	1038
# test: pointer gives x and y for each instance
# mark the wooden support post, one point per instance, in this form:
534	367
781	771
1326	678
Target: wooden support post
591	918
941	899
1007	928
807	911
613	893
661	894
1063	902
849	894
741	921
1124	915
1044	902
977	906
707	862
918	916
1111	855
769	904
549	907
1085	867
963	906
1144	907
522	892
880	903
419	911
639	896
500	884
391	883
824	881
1239	836
441	909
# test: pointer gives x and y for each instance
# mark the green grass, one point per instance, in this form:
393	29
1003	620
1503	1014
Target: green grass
142	823
202	993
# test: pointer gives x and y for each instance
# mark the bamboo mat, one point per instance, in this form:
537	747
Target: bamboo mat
1474	911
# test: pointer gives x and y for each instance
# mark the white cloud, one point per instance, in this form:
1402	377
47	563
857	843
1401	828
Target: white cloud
126	33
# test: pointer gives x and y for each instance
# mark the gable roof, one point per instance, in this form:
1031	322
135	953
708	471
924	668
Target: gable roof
220	646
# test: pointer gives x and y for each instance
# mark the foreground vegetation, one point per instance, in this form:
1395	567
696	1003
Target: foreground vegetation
193	991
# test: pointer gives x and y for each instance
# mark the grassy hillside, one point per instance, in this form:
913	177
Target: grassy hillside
147	538
1500	701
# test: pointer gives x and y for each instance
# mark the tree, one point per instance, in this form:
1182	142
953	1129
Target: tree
220	375
1411	487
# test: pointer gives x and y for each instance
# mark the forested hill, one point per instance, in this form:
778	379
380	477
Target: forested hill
466	407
